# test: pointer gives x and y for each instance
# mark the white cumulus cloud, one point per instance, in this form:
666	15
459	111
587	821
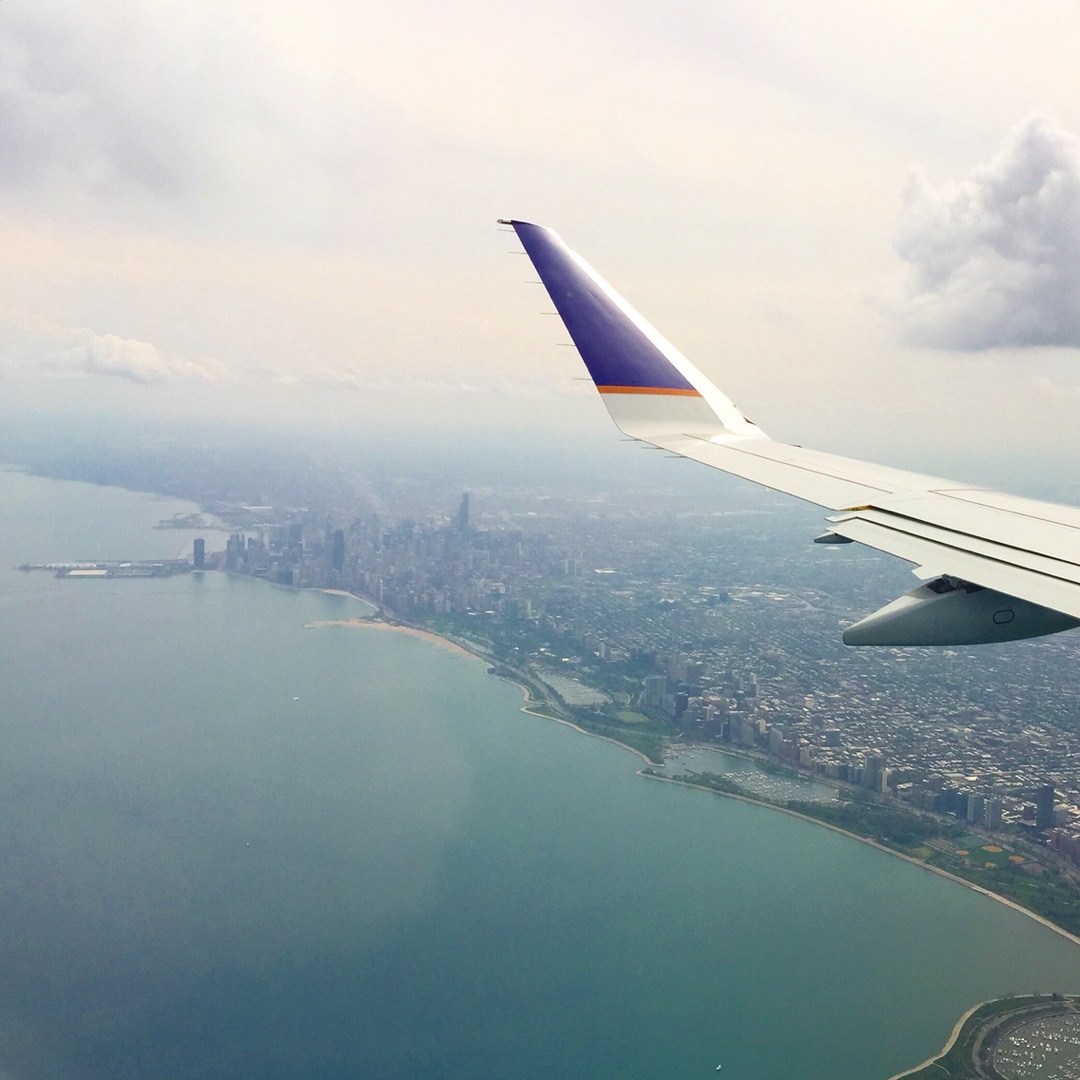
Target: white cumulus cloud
139	361
353	379
30	343
994	260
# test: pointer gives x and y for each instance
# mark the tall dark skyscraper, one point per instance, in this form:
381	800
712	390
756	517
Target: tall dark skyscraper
338	558
199	559
1044	807
462	522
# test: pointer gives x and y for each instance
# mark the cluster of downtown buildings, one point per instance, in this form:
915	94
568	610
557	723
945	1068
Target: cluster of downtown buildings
719	626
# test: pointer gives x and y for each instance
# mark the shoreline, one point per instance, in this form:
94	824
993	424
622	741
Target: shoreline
527	697
373	622
874	844
570	724
959	1026
377	622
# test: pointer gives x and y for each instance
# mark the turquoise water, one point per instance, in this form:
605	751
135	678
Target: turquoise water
233	846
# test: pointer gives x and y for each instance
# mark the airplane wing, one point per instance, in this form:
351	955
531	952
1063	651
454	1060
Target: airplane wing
1002	567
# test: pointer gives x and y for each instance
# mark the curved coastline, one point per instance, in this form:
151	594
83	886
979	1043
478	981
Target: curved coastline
530	700
874	844
439	640
374	623
946	1048
383	619
570	724
380	622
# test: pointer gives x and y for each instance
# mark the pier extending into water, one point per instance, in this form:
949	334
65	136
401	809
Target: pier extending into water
134	568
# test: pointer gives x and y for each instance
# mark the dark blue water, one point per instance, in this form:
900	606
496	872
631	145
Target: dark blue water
233	846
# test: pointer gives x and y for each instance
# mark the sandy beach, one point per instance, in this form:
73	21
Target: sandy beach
318	624
374	623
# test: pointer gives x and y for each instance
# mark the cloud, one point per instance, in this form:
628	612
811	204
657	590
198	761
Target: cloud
175	113
355	380
995	259
83	106
31	343
352	379
1048	387
138	361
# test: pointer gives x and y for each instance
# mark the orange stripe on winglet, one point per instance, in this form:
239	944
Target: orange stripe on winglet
676	391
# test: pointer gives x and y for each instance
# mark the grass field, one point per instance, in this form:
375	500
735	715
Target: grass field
977	851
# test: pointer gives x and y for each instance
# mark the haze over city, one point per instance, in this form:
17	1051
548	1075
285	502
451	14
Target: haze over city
863	223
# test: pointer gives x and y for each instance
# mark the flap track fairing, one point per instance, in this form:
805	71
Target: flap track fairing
948	611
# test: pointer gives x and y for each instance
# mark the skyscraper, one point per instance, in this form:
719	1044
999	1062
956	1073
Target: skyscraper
462	521
338	558
1044	807
199	560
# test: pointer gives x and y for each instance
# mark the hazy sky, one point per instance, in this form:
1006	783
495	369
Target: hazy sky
862	220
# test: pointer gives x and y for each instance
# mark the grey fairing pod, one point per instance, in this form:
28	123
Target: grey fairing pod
950	612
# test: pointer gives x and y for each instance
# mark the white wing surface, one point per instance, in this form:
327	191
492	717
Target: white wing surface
1002	567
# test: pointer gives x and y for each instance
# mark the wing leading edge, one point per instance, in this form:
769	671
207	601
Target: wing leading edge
1002	567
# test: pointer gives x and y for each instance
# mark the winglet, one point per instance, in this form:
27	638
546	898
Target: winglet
649	387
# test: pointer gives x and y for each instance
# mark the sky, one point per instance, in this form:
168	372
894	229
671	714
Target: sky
861	221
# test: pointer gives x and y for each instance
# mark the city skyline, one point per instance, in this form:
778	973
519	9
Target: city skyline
705	618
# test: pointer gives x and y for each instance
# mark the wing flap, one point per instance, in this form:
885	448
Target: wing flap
1035	556
1026	526
934	557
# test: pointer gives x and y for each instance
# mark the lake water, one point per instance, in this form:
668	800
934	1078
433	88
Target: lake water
232	846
